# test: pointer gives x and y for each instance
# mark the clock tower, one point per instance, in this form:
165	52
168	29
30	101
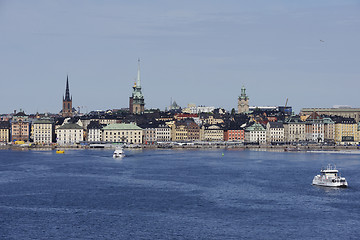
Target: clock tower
243	102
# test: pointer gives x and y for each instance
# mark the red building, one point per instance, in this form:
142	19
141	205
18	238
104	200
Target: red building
234	135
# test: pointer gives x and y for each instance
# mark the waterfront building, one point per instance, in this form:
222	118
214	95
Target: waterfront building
20	127
43	131
255	133
233	134
185	130
123	132
136	101
275	132
294	129
243	102
345	131
69	134
94	131
211	133
5	131
346	112
314	128
329	129
178	132
163	133
67	110
150	134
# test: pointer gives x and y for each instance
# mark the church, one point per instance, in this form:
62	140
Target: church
136	101
67	109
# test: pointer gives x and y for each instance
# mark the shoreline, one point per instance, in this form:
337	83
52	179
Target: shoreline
284	148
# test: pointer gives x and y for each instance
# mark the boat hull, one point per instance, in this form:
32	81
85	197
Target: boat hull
329	183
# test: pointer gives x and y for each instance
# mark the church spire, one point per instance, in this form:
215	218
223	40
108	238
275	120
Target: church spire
67	92
138	83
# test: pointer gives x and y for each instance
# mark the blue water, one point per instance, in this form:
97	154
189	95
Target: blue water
175	194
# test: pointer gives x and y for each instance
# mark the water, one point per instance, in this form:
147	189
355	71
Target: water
175	194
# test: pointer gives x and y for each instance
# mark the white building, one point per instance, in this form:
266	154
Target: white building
69	134
274	132
123	132
255	133
42	131
294	130
163	133
94	133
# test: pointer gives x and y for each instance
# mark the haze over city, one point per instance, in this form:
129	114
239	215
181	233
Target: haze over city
199	52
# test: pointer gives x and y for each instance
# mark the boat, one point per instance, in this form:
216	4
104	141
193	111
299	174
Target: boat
60	151
118	153
330	177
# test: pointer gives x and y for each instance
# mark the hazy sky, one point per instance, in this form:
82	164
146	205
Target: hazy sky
193	51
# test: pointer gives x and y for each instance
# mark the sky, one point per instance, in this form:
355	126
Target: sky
199	52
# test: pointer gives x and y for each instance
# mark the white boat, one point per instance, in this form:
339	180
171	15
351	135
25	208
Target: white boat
329	177
118	153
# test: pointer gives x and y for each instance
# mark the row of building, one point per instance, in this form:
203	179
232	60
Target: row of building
182	128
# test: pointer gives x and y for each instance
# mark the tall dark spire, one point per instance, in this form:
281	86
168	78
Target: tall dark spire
67	92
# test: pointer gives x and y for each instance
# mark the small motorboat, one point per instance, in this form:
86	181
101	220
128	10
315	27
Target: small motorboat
330	177
60	151
118	153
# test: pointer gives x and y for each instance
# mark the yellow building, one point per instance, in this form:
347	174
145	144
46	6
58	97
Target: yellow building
211	133
179	132
346	130
5	131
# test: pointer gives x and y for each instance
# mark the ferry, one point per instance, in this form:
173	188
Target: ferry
118	153
330	177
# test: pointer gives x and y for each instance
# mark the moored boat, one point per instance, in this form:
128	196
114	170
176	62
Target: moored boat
329	177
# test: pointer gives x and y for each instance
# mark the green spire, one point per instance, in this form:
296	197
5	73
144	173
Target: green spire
243	94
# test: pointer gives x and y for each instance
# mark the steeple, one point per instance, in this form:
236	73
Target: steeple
243	94
67	92
138	83
67	101
136	101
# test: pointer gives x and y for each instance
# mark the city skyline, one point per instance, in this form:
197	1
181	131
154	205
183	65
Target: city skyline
199	52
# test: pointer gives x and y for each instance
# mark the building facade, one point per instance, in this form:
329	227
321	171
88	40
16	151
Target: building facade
212	133
314	128
346	131
275	132
234	135
94	132
69	134
43	131
255	133
294	130
4	131
123	132
20	127
163	133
